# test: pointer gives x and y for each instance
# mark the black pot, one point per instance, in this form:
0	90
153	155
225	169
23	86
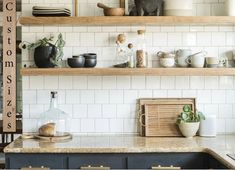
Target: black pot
42	56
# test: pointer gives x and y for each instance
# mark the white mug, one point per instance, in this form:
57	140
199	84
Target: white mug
196	61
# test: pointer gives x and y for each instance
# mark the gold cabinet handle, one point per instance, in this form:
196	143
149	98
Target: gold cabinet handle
165	167
35	168
89	167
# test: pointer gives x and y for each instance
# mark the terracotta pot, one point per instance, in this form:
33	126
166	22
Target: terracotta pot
42	56
189	129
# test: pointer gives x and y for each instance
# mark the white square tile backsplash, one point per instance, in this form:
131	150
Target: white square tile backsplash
106	104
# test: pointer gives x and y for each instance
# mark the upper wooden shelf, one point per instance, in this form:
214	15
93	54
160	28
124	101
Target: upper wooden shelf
129	20
128	71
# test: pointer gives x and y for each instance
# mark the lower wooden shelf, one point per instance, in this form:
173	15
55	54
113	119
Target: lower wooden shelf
128	71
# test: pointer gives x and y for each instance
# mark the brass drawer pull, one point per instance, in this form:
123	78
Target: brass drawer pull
89	167
165	167
35	168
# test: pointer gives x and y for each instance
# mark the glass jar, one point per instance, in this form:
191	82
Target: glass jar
141	53
131	57
121	56
54	122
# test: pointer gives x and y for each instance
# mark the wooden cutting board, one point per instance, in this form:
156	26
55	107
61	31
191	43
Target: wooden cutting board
158	116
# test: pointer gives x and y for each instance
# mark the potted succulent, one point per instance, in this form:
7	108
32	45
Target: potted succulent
46	54
189	121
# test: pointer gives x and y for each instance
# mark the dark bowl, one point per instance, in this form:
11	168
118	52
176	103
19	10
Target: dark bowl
90	63
90	55
76	62
78	56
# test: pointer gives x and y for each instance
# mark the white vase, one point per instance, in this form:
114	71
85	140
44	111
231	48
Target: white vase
230	7
178	7
189	129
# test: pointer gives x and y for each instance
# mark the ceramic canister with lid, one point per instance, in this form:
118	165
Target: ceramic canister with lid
178	7
208	127
230	7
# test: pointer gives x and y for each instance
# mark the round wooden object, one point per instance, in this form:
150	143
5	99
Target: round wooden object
64	137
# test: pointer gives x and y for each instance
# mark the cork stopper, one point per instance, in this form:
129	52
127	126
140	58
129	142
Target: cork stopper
121	38
141	32
54	94
130	46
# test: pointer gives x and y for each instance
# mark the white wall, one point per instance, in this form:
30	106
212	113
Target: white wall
107	104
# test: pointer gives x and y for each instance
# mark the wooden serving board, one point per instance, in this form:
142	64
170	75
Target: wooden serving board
66	136
158	116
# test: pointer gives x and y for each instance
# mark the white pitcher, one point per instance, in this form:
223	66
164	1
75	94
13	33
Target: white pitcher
197	60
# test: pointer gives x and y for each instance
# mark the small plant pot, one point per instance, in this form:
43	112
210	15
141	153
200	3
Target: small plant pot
189	130
43	55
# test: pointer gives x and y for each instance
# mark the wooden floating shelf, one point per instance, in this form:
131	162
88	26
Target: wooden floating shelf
128	71
129	20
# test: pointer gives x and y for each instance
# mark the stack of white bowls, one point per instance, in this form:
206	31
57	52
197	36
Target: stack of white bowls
178	7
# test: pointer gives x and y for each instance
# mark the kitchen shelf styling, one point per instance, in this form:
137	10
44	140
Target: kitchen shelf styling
128	71
129	20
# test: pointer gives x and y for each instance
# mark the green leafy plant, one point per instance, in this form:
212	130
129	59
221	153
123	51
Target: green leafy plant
188	116
59	44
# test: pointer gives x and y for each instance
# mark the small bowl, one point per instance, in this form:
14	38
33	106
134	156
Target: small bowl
78	56
167	62
90	63
77	62
114	12
90	56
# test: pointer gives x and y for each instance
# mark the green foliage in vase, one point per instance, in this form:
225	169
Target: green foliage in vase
188	116
59	44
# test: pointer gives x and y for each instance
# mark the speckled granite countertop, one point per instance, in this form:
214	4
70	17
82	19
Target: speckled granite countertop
217	147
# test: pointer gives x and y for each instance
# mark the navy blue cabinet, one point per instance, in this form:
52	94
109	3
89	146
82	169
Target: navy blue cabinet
182	160
54	161
114	161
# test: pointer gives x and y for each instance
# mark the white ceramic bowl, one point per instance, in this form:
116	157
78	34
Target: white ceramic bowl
189	129
167	62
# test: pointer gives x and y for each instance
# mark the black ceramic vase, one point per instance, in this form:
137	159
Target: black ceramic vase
42	56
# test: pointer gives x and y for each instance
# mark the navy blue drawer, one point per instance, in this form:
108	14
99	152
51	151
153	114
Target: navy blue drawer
53	161
114	161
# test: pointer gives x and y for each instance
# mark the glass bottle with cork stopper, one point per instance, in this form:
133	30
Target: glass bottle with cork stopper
141	53
131	57
121	57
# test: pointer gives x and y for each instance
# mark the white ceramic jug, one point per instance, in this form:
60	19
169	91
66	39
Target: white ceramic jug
178	7
230	7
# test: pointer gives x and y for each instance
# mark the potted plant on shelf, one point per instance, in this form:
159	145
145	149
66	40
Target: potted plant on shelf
46	54
189	121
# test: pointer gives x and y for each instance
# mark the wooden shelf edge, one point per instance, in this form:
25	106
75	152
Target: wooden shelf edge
129	20
128	71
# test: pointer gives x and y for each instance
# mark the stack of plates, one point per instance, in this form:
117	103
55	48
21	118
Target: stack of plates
50	11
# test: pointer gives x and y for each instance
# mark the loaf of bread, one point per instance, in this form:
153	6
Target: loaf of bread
47	130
